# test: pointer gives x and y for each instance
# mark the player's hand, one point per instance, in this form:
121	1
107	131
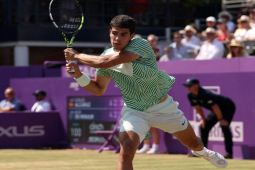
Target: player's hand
202	123
70	53
70	67
223	122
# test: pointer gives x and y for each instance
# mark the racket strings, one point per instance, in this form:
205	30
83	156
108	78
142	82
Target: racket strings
67	15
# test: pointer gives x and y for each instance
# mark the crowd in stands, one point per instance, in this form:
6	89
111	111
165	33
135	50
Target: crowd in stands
221	39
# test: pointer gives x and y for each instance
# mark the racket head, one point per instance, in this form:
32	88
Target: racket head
66	15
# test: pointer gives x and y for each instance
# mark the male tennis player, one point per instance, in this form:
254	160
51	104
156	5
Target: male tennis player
132	65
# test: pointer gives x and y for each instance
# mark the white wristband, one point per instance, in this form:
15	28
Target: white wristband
84	80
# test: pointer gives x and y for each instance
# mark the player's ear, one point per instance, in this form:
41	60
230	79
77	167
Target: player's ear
110	30
132	35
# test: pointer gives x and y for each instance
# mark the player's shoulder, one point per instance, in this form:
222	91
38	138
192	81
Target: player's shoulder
108	51
139	42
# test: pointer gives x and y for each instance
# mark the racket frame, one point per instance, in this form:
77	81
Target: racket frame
69	43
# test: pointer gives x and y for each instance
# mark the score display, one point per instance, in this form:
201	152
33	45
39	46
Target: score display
88	114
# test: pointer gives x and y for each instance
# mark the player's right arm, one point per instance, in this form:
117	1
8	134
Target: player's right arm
96	86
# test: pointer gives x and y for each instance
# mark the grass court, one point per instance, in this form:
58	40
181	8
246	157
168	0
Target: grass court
78	159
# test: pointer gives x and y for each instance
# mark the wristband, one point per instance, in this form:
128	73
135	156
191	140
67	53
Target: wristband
84	80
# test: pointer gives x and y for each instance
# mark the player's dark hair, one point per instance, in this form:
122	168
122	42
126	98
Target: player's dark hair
124	21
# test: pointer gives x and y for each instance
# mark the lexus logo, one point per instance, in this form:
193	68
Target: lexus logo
26	131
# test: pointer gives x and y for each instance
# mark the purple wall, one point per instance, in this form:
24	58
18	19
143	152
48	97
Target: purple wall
17	72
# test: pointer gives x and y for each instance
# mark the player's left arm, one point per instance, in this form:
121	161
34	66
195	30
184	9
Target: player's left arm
217	111
106	61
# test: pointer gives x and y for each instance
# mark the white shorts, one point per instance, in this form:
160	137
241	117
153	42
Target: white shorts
165	116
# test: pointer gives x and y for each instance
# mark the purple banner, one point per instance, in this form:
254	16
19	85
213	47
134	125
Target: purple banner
31	130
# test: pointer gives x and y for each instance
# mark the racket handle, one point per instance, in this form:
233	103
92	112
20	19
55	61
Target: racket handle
72	71
70	61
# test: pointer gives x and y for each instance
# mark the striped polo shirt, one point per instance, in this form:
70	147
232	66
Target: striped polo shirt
141	82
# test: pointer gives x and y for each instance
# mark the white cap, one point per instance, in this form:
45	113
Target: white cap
210	19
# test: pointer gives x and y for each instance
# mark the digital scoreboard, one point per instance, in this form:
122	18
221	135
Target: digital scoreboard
88	114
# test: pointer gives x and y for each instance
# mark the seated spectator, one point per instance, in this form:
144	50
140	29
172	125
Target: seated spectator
10	103
252	17
236	49
156	51
154	42
223	34
228	17
211	48
185	50
190	38
170	54
210	22
243	27
41	105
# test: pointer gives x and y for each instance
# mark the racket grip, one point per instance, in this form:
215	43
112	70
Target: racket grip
72	71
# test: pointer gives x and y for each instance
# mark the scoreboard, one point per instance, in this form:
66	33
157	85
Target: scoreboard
88	114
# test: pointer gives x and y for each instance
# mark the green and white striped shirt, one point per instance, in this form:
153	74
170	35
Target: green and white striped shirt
141	82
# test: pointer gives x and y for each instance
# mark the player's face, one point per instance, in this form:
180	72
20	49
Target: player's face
120	37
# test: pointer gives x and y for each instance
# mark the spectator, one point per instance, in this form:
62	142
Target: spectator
210	22
10	103
223	33
190	38
41	105
228	17
154	42
211	48
156	51
185	50
252	18
243	27
221	108
236	49
170	54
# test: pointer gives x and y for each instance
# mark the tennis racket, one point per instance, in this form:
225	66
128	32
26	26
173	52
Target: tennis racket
68	18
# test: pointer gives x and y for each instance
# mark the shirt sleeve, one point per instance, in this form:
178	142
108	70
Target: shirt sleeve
140	47
102	72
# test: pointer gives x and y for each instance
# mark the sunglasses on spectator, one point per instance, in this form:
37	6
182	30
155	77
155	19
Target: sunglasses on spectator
10	93
243	21
234	47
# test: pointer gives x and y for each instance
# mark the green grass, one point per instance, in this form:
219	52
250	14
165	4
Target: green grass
90	160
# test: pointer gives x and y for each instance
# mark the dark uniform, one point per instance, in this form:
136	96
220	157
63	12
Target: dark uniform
207	99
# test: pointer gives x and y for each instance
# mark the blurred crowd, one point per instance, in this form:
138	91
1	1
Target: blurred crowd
222	38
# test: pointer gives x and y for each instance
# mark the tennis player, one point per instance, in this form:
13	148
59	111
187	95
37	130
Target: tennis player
132	65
